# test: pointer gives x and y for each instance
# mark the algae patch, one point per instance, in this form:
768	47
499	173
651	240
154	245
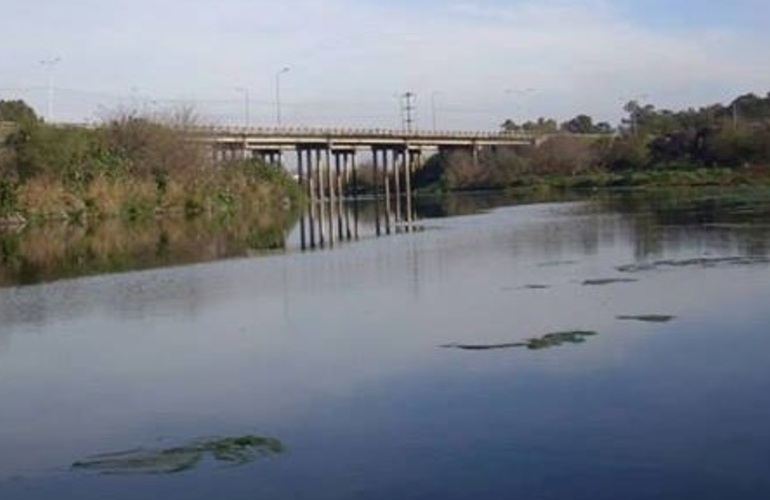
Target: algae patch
557	263
546	341
232	450
694	262
648	318
608	281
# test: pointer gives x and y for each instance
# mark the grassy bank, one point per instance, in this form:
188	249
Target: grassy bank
684	177
244	187
655	178
129	167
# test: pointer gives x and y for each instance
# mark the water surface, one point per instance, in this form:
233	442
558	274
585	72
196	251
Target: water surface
340	359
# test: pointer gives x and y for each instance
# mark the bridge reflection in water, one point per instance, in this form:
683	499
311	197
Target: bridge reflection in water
326	222
330	179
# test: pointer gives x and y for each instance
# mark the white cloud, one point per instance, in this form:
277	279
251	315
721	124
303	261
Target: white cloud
349	58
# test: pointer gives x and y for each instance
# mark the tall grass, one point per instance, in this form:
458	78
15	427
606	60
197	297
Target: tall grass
130	167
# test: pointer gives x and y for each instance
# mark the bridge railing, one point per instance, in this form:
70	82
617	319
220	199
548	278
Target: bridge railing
323	133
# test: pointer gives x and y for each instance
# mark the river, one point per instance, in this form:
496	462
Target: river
612	345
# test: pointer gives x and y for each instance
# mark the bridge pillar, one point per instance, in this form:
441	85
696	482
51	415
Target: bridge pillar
399	164
386	171
376	189
321	195
301	182
306	172
412	156
354	175
332	199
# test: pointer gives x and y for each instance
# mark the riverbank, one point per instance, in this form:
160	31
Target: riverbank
241	187
680	177
130	167
691	177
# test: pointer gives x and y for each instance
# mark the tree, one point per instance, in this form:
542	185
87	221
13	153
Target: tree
581	124
17	111
509	126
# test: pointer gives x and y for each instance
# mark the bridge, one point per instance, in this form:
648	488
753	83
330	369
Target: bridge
326	163
267	142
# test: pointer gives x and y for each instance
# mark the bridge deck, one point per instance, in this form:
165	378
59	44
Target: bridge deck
259	137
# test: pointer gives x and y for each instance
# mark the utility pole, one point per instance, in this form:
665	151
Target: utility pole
407	110
48	64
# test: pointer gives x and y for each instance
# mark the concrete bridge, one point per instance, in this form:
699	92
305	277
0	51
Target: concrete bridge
326	164
240	142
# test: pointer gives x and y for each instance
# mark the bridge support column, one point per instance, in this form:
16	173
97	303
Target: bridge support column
411	166
386	170
354	177
332	199
301	181
399	163
310	186
321	195
376	189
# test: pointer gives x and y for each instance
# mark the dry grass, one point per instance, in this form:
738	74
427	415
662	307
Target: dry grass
211	192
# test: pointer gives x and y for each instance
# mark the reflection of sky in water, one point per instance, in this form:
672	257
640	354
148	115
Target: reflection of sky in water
337	354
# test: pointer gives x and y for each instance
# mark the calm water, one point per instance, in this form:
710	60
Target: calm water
615	347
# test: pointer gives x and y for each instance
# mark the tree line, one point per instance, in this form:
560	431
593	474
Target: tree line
711	144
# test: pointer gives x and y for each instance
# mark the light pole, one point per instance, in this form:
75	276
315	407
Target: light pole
246	105
49	64
433	108
278	94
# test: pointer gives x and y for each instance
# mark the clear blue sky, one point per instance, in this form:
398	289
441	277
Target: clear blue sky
472	62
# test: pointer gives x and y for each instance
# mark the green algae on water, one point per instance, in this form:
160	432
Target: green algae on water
694	262
233	450
607	281
648	318
536	343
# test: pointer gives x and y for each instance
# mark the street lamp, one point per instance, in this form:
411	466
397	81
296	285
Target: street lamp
433	107
49	64
278	94
246	105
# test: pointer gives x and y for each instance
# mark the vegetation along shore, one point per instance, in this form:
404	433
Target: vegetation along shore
129	167
716	145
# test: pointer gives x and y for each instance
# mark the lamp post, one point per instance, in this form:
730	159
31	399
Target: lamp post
278	94
246	105
433	108
49	64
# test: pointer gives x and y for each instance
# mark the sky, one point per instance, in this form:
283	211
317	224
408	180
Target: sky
471	64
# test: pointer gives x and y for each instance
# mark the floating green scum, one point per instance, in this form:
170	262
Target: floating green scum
233	450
